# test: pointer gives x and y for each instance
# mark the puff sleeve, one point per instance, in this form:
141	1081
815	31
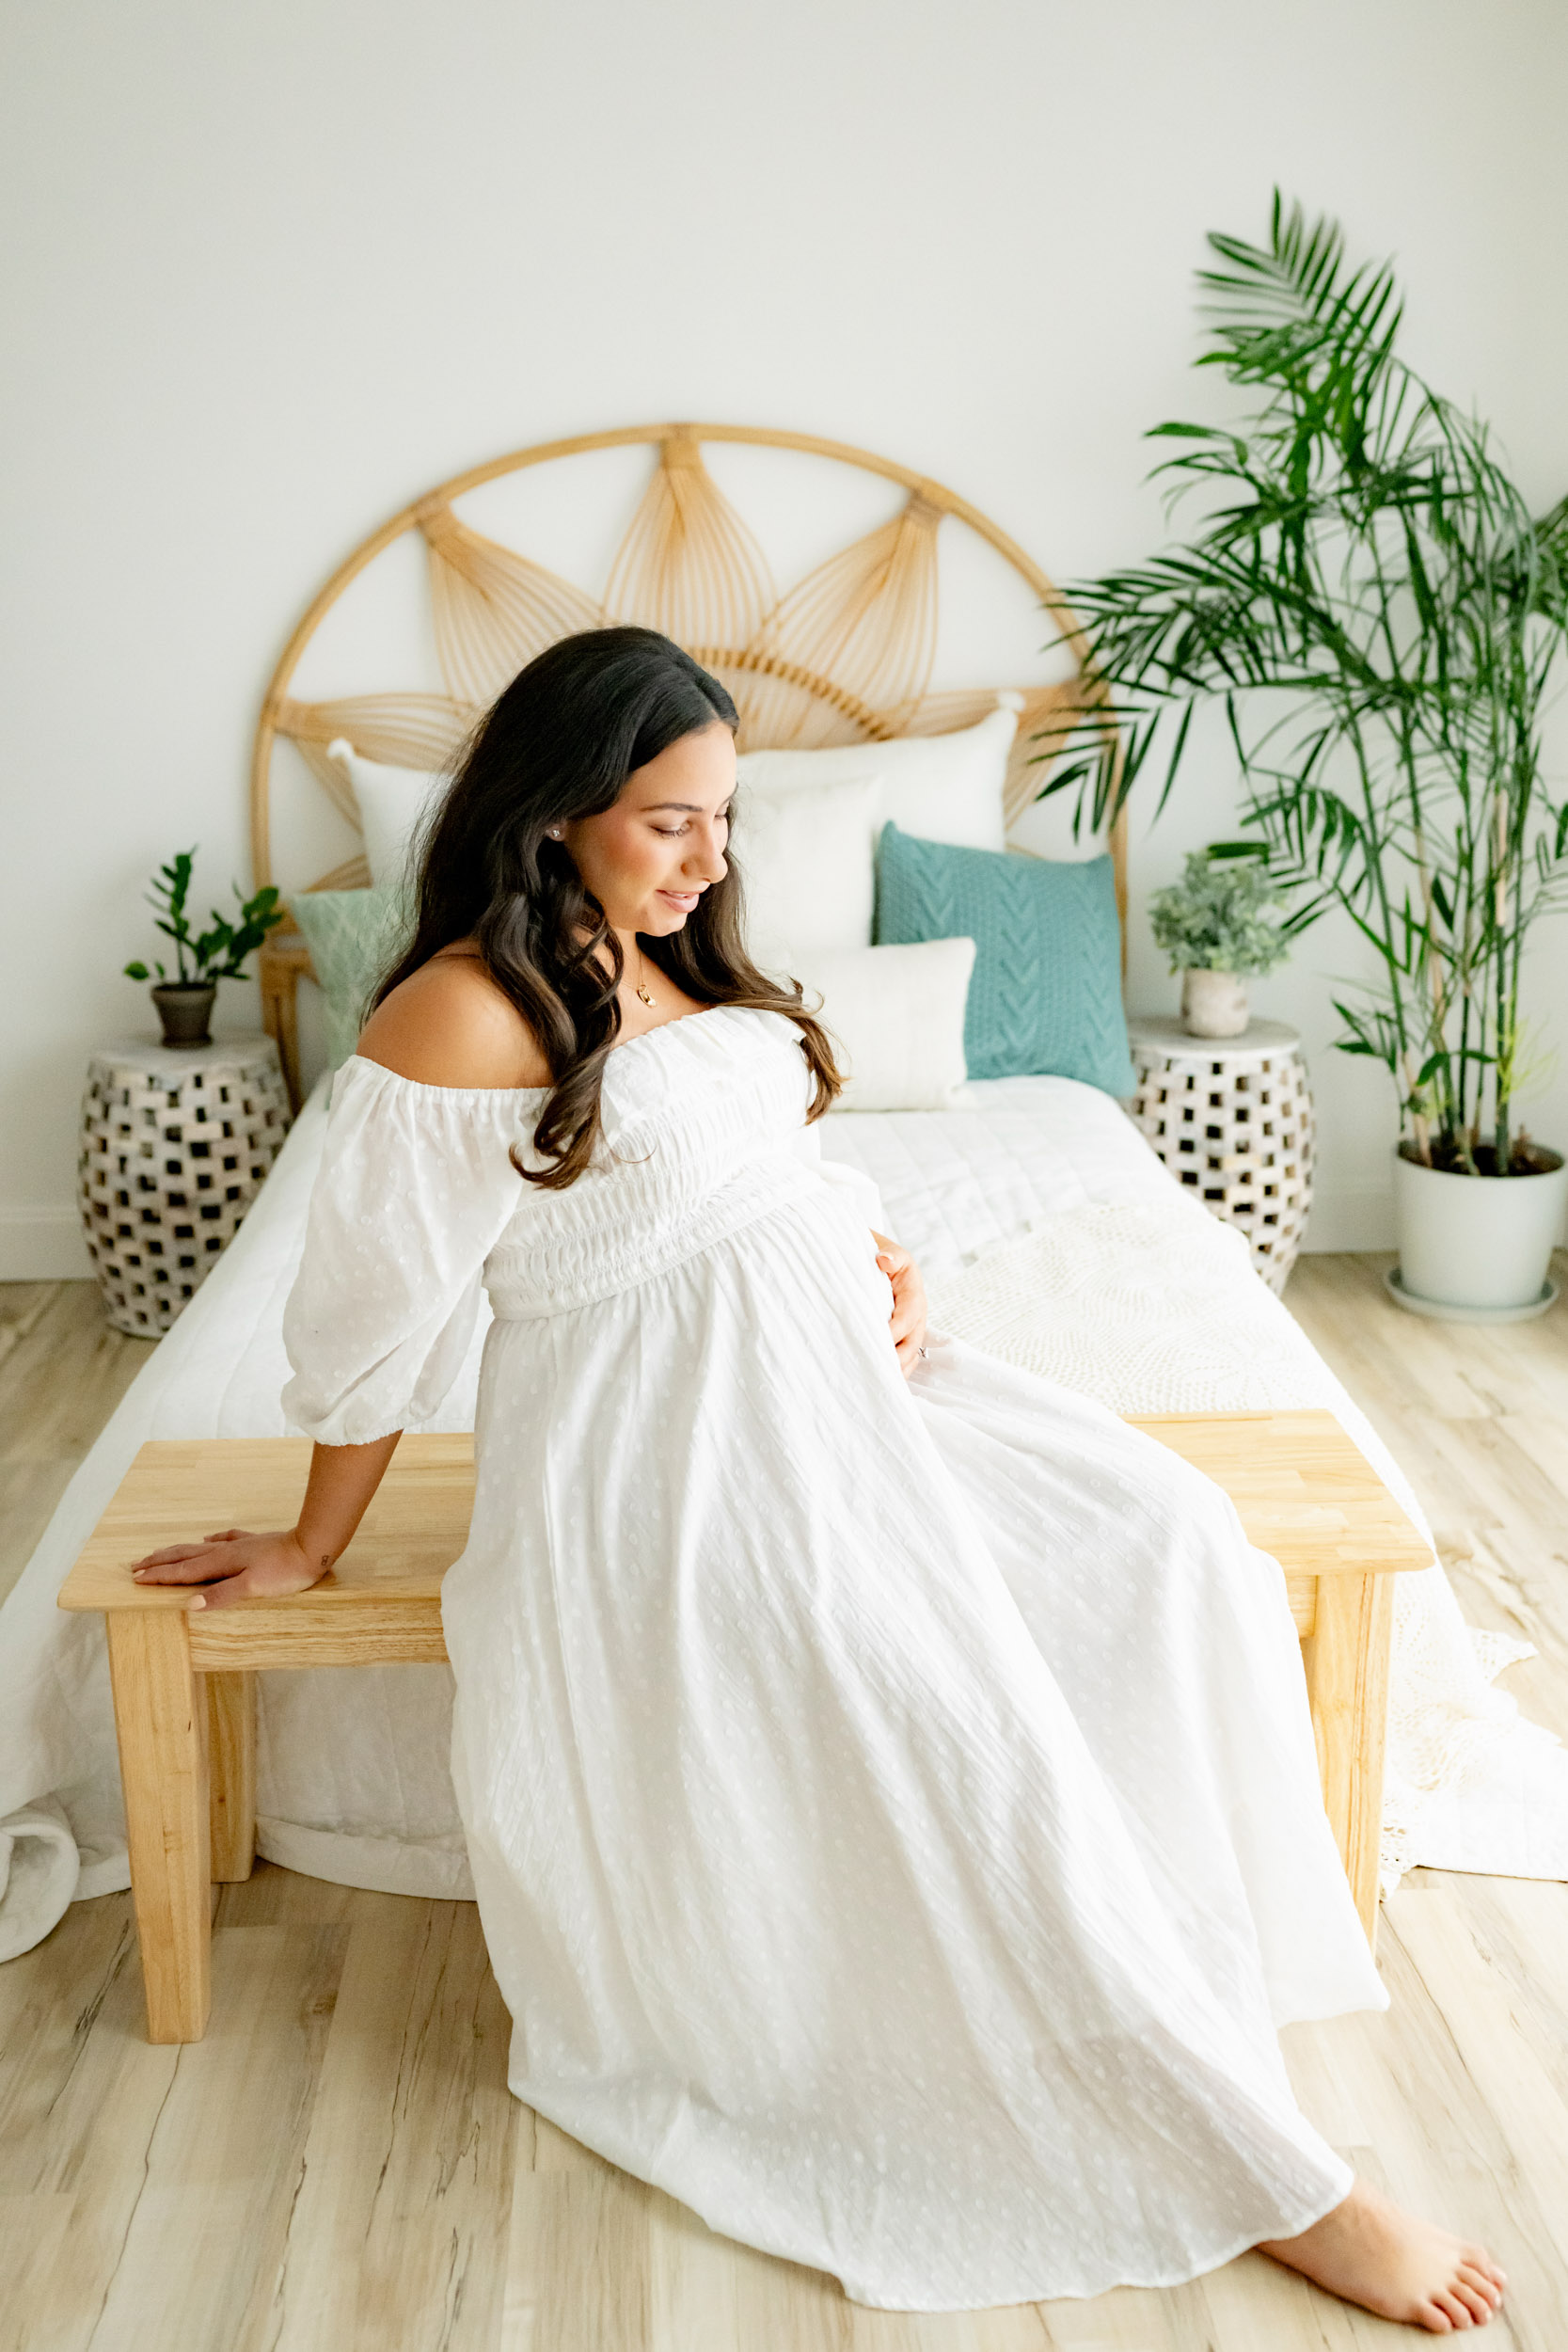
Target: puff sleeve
414	1190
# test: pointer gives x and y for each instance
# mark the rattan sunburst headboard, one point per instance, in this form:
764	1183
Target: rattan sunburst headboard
844	656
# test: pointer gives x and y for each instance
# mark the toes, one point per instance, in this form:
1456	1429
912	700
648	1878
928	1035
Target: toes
1481	2282
1454	2312
1436	2322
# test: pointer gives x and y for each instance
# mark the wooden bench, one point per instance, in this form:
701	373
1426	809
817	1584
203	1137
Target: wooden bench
184	1701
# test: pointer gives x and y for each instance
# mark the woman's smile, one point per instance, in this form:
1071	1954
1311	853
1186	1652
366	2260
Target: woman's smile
682	900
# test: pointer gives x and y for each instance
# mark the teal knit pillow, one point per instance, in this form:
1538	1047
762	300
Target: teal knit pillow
1046	993
353	937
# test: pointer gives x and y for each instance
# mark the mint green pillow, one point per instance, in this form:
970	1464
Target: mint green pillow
353	937
1045	999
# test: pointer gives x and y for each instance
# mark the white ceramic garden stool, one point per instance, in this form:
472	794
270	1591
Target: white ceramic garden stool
176	1142
1232	1117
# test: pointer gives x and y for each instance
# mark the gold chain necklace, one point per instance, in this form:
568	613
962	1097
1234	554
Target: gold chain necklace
643	989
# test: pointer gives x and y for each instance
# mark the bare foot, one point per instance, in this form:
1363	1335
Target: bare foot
1369	2252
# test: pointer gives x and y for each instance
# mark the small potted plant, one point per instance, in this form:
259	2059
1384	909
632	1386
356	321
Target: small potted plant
1223	923
201	959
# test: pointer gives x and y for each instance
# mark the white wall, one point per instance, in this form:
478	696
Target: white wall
268	271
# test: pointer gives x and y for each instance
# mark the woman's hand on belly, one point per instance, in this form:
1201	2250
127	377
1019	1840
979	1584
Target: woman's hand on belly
908	1319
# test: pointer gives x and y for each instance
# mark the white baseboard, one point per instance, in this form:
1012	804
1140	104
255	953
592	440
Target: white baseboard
42	1245
1351	1219
46	1246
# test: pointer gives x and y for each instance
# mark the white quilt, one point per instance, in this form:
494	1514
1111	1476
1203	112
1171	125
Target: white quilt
1048	1232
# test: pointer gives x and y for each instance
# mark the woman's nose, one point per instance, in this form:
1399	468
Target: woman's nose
708	859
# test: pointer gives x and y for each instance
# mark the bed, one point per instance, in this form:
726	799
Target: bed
1046	1227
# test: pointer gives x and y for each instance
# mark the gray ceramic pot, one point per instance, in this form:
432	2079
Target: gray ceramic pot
185	1007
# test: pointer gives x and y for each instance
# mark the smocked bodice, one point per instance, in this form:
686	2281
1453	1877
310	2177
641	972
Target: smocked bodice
418	1202
702	1119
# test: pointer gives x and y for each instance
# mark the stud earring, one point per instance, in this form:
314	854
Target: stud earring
555	833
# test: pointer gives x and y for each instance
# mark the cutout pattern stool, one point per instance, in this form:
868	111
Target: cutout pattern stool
176	1141
183	1683
1232	1117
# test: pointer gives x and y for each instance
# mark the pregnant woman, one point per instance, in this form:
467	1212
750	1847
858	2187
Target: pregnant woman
887	1778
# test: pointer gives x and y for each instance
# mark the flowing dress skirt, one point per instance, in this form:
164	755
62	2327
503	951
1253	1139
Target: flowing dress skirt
893	1805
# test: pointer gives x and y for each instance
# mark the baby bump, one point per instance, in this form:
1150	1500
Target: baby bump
780	1321
596	1250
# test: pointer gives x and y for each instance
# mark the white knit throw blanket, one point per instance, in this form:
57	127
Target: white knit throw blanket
1153	1310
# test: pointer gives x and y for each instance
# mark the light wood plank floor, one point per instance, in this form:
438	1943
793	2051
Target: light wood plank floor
340	2167
62	1372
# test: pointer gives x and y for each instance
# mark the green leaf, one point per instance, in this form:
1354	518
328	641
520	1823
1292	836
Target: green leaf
1175	761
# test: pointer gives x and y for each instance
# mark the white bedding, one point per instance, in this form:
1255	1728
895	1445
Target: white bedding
1035	1180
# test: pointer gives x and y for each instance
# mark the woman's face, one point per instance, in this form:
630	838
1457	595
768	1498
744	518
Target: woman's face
649	859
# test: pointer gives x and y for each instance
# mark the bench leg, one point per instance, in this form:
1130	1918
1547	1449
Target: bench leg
160	1718
231	1773
1346	1658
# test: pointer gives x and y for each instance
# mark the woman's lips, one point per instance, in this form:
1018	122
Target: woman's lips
683	900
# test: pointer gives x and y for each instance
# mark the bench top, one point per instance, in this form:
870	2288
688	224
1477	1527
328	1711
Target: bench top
1303	1491
179	1490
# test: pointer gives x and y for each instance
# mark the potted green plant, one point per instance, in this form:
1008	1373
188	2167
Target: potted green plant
1370	600
1221	924
201	959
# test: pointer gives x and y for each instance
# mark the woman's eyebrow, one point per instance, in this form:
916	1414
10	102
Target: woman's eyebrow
689	808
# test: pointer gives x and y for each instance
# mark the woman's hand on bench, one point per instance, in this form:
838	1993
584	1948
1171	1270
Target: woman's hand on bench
239	1565
234	1565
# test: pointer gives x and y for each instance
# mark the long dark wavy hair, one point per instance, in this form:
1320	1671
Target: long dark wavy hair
561	744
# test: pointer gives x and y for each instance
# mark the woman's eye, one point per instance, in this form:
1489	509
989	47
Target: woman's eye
673	832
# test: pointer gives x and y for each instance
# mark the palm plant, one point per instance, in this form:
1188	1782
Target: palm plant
1370	601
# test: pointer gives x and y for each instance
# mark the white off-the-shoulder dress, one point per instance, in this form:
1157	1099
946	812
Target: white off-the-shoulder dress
891	1805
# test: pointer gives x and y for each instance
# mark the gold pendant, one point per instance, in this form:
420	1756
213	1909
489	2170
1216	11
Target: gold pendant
643	993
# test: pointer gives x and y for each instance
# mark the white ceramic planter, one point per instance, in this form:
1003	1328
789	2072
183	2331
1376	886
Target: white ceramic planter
1213	1003
1479	1244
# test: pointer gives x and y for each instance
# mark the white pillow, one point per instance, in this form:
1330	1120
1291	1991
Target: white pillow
808	857
944	787
391	804
899	1013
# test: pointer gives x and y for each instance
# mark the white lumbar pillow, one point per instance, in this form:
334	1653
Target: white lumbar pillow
944	787
808	855
392	803
899	1013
